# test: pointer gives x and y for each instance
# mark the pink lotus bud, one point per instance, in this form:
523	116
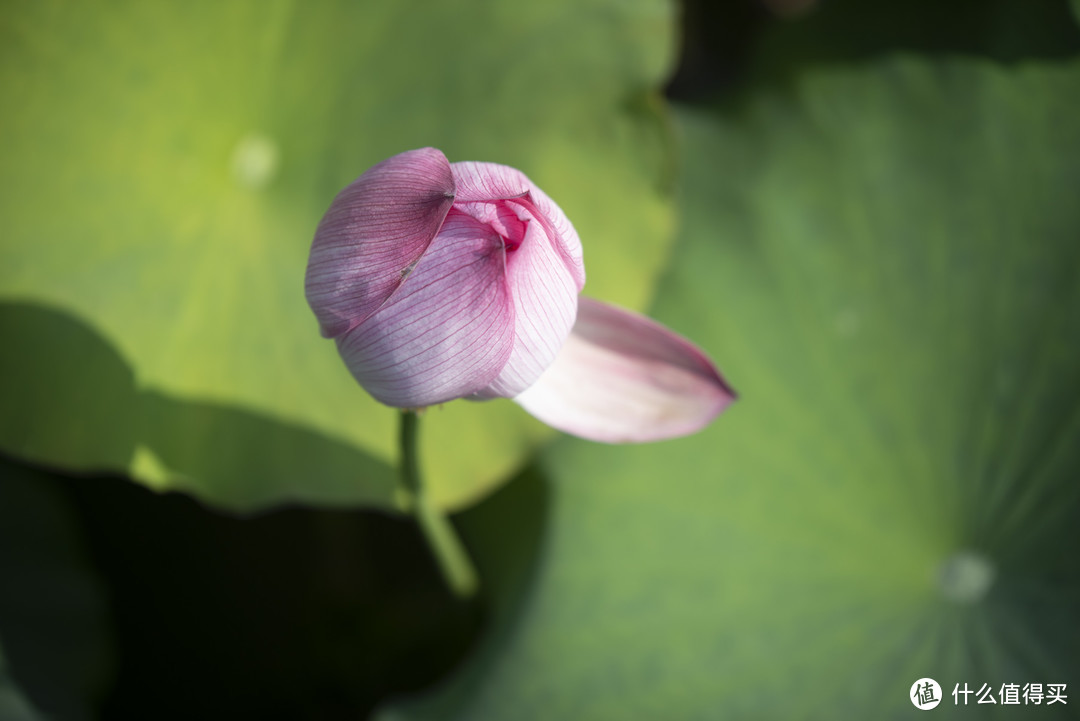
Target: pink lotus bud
441	281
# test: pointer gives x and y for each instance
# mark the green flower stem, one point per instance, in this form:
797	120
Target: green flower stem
450	555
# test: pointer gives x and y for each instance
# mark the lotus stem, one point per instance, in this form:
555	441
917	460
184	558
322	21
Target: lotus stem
450	555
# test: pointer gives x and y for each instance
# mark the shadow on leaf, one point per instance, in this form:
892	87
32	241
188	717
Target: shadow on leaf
70	401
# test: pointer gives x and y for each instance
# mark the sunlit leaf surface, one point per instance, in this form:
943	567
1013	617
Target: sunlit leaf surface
884	262
166	165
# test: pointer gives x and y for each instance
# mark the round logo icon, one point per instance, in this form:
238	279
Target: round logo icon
925	694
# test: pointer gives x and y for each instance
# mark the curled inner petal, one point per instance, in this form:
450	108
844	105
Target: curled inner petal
491	181
545	304
504	217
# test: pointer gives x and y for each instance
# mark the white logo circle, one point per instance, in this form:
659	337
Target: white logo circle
925	694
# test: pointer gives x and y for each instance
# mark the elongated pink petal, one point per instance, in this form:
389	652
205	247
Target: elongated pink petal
623	378
488	181
449	329
545	304
375	229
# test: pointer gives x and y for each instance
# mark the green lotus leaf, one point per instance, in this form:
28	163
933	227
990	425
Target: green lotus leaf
166	166
884	262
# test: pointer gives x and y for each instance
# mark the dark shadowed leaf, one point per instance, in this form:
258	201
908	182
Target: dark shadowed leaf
56	658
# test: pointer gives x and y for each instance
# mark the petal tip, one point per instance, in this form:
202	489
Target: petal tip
624	378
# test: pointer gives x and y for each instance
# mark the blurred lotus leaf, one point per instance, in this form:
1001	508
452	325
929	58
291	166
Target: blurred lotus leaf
884	260
166	166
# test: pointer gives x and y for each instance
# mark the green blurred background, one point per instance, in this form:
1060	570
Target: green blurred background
865	212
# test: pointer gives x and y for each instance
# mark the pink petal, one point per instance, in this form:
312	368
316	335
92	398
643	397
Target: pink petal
376	228
545	300
447	332
623	378
491	181
569	243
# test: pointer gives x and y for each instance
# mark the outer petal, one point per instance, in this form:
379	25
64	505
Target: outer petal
545	301
491	181
623	378
375	229
447	332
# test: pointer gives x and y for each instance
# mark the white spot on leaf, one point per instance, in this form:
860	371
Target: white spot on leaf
255	161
